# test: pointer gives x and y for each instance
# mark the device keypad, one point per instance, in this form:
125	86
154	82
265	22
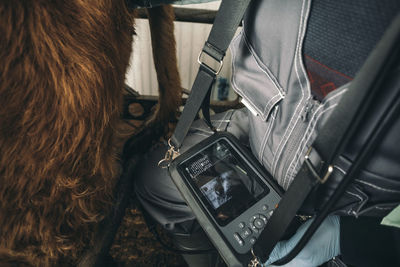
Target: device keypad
254	217
259	223
264	218
254	228
238	239
246	233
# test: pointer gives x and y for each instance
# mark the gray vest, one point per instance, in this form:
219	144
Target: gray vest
284	120
269	74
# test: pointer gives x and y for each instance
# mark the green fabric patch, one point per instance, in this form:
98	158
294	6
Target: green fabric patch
393	218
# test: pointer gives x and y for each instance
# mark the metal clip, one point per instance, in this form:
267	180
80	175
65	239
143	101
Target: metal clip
314	172
170	155
255	262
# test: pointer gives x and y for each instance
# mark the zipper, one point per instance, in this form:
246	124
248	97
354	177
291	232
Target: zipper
308	109
297	135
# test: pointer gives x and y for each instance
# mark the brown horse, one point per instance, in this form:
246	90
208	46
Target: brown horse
62	70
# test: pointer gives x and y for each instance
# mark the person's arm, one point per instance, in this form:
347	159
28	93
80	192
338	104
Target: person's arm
359	242
323	246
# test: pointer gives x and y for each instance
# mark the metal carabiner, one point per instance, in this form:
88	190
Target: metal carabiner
170	155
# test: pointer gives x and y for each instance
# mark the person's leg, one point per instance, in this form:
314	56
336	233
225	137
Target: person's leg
161	199
153	185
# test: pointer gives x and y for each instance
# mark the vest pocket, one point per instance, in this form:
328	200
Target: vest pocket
253	81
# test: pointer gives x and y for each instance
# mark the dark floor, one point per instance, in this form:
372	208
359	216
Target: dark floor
134	245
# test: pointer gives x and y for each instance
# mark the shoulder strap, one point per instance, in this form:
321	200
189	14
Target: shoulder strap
225	24
330	143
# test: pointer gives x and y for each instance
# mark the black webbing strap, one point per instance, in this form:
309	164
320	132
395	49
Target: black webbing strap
330	142
225	24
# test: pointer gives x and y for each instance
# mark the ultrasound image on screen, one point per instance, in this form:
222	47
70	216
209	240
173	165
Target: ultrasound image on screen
217	190
226	184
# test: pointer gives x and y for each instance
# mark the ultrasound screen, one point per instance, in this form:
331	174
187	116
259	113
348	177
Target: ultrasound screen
224	181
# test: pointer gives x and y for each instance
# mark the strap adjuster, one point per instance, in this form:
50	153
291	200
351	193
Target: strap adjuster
202	63
313	170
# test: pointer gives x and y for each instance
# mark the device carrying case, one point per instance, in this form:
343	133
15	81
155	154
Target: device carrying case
228	191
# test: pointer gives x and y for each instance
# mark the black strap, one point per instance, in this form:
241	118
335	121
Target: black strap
330	142
373	140
225	24
205	109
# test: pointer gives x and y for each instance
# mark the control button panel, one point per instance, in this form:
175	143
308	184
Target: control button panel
262	217
246	233
238	239
259	223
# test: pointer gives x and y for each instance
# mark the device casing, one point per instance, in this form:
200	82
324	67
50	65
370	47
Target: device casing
214	231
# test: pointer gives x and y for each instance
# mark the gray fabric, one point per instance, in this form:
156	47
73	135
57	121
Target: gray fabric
268	72
154	187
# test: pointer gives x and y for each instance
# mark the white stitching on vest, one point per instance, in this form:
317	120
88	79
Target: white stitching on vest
277	86
309	136
228	120
218	128
297	56
355	195
235	87
377	187
308	133
273	79
266	136
383	208
263	68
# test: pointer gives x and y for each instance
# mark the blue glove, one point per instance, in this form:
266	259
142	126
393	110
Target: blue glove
323	246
